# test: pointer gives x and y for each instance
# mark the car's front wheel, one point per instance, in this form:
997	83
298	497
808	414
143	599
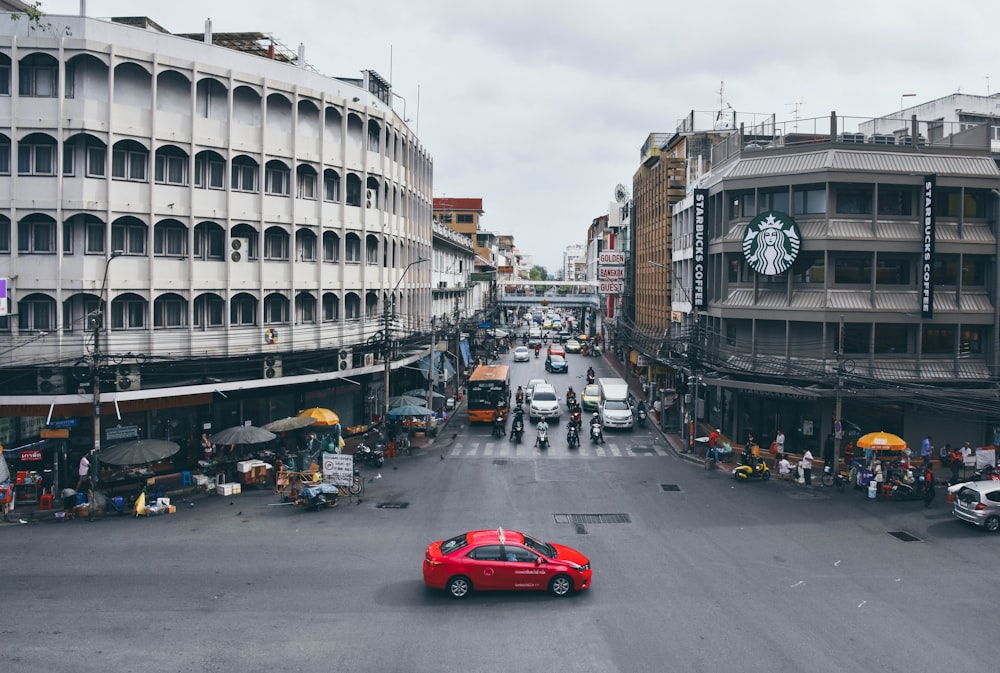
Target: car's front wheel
992	524
459	586
561	585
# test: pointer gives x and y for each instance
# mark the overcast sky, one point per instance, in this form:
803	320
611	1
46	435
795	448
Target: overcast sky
540	107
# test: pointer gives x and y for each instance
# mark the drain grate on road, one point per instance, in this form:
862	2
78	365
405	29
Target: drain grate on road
903	536
670	488
500	462
392	505
582	519
642	449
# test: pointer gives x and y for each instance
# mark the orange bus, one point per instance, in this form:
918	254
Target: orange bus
489	392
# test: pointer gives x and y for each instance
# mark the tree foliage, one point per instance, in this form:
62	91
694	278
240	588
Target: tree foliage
538	273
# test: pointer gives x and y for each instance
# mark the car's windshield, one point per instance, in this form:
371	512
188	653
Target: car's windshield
591	391
616	405
457	542
542	548
543	396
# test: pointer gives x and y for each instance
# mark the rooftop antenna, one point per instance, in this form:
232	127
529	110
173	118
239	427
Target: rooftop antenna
987	86
795	111
721	117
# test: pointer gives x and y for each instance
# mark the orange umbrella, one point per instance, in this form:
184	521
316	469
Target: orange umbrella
320	416
881	441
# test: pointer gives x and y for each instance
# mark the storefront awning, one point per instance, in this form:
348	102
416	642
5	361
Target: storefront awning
775	389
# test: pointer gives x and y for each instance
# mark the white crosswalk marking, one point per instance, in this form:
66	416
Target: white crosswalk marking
507	449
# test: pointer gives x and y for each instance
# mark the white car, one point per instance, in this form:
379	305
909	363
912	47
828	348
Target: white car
544	403
522	354
530	388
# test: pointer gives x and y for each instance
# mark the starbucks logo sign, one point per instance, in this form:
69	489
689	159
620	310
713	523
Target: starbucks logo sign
771	243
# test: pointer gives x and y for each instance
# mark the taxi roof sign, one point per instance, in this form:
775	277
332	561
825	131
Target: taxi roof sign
500	535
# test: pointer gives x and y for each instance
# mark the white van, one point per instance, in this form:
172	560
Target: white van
615	410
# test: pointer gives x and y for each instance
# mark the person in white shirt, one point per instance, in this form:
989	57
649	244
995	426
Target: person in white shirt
807	464
785	468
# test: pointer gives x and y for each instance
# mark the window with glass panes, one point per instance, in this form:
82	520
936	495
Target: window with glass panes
36	236
275	244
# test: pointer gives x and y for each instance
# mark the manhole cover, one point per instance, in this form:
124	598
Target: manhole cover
578	519
669	487
903	536
392	505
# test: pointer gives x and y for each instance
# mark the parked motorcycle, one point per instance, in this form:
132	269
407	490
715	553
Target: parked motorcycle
572	437
831	478
369	456
753	467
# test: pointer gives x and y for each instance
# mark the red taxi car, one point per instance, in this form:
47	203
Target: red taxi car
504	560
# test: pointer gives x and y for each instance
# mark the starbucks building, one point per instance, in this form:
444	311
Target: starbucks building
824	272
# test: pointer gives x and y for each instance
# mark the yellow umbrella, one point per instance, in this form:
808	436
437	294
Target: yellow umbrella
320	416
881	441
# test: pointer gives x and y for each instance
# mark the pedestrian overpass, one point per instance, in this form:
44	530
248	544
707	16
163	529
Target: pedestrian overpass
555	293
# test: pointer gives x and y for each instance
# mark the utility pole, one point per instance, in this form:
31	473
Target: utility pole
695	359
430	363
95	373
387	338
838	428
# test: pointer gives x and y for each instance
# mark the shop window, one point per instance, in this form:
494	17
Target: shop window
810	201
971	341
854	201
893	201
946	202
892	338
852	270
938	340
893	271
777	200
809	267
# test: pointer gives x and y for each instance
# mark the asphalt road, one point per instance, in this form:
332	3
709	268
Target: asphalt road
710	575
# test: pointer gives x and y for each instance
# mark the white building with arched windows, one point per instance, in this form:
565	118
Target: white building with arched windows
241	218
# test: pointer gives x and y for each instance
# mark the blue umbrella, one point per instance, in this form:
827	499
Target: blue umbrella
411	410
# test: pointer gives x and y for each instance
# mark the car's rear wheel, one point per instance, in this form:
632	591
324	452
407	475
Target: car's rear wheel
992	524
561	585
459	586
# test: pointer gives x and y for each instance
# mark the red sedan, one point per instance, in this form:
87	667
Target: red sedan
504	560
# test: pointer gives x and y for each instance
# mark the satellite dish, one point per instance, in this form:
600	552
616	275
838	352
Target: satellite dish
621	193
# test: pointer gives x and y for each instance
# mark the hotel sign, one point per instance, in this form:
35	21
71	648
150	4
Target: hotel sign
610	273
611	258
927	250
611	287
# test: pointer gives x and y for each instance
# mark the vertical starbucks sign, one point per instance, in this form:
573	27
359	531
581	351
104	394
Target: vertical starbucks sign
698	268
927	249
771	243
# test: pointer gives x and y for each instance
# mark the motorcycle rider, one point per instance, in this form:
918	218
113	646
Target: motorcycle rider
519	396
518	424
538	349
572	437
590	375
595	425
641	412
543	428
499	425
570	398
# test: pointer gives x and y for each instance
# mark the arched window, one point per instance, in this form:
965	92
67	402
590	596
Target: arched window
305	245
171	166
353	190
209	310
36	155
244	241
170	310
306	178
36	234
243	309
371	305
128	234
352	247
128	161
38	76
244	174
331	246
277	178
209	241
275	308
371	249
372	198
128	311
374	136
331	186
275	243
36	312
170	239
209	170
352	306
331	307
76	310
305	307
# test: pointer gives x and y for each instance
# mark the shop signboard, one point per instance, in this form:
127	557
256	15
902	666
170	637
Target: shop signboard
122	432
3	296
610	272
54	433
338	468
611	287
31	454
64	423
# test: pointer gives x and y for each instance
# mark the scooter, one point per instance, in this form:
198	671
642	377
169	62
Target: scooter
590	378
575	417
500	426
517	429
369	456
753	467
596	433
572	437
543	438
831	478
642	418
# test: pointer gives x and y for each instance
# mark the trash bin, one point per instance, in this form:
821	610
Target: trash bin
449	403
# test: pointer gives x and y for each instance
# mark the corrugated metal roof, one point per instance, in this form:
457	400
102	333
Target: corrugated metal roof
772	299
736	231
851	300
752	165
812	229
852	229
974	301
898	231
978	232
945	301
897	301
739	297
809	299
892	369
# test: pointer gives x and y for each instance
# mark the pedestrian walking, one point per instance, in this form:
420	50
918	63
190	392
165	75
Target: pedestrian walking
84	472
807	464
928	474
777	449
955	464
926	448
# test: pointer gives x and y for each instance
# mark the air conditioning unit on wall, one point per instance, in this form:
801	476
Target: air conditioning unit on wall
51	381
272	367
130	381
239	249
371	198
345	361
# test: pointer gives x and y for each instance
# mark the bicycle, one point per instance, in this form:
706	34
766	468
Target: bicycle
357	486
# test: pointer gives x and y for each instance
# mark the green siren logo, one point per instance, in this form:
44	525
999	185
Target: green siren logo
771	243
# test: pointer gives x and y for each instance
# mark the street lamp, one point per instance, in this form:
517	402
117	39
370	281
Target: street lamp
901	97
386	337
95	381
